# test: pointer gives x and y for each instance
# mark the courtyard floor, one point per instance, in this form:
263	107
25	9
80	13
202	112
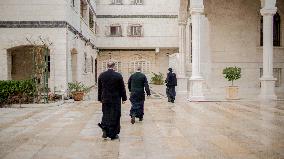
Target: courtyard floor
183	130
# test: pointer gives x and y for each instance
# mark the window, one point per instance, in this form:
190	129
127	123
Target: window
91	20
92	63
73	3
145	66
117	67
135	30
115	31
138	1
83	8
85	62
116	2
276	74
13	64
276	30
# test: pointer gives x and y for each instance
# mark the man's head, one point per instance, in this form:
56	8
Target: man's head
170	69
110	65
138	68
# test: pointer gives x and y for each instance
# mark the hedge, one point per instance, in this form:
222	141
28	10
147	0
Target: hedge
16	91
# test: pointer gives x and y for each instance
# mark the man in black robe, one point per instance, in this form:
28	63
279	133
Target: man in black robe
136	84
111	90
171	83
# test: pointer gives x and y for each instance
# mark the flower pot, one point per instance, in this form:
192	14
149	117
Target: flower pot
232	92
78	96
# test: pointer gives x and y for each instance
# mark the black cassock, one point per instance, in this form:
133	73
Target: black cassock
111	91
171	83
136	84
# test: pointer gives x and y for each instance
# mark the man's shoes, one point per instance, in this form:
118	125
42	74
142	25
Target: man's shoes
104	134
104	131
132	119
114	138
141	119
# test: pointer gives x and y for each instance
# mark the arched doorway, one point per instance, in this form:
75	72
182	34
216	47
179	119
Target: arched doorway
28	61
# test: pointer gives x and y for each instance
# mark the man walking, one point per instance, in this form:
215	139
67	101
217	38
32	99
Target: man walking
136	84
111	90
171	83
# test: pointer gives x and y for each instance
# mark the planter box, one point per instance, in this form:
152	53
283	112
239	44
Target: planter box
232	92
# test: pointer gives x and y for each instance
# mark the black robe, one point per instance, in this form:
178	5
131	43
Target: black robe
171	83
111	90
136	84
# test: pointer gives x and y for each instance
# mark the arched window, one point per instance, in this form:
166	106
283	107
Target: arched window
145	66
276	30
117	67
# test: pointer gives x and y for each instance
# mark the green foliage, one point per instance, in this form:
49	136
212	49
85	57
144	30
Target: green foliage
157	79
16	91
78	87
232	73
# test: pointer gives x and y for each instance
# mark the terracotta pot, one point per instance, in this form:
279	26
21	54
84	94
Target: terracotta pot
232	92
78	96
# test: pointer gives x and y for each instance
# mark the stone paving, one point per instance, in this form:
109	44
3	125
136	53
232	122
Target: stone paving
204	130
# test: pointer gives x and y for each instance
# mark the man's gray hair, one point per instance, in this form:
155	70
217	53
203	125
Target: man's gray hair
110	64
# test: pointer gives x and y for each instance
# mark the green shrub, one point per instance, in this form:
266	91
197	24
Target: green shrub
232	73
157	79
16	91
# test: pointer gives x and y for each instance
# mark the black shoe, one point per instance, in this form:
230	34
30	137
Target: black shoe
114	138
141	119
104	134
172	101
132	120
104	131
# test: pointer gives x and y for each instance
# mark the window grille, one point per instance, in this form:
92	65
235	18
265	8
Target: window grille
116	2
135	30
138	2
145	66
117	67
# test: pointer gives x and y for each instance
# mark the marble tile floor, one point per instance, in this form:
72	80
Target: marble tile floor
183	130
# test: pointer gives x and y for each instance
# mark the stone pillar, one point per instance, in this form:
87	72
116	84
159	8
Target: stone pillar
182	79
267	79
4	65
196	79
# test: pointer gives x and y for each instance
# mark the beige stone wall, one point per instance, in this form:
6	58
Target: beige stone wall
159	62
234	41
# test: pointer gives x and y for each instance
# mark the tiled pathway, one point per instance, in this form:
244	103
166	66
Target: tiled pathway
205	130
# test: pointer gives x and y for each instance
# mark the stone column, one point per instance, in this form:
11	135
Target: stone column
267	79
4	66
196	79
182	79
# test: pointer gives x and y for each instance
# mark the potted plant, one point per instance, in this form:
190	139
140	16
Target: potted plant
157	79
78	90
232	74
